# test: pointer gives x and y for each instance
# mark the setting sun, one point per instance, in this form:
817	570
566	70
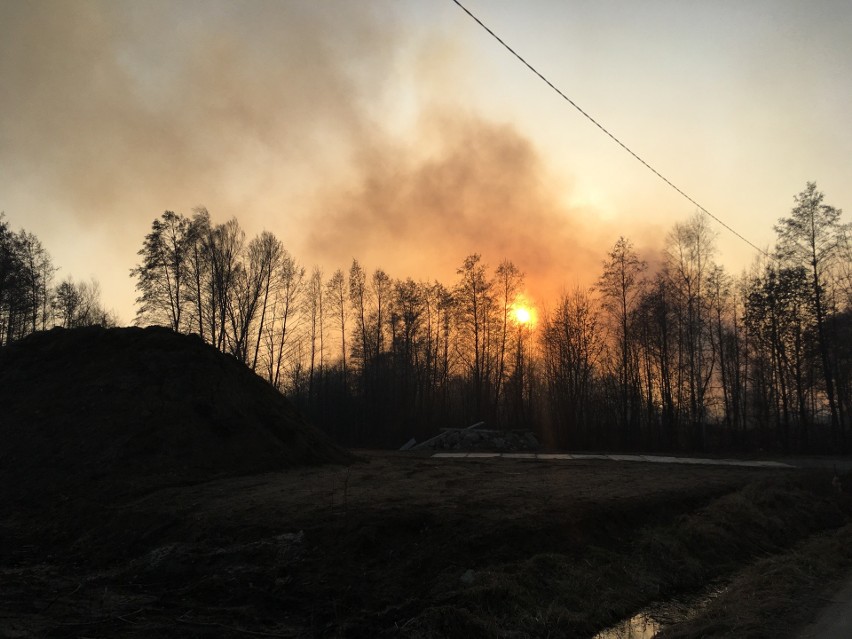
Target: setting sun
522	315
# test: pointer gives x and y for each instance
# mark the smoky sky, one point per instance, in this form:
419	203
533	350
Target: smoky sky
478	187
109	101
276	113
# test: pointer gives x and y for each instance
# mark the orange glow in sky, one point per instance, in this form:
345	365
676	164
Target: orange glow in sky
399	133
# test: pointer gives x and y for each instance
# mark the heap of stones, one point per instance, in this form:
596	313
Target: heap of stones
476	438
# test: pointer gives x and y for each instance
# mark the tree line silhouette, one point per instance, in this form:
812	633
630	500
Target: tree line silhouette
30	301
683	356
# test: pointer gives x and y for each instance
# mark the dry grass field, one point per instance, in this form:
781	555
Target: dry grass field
407	545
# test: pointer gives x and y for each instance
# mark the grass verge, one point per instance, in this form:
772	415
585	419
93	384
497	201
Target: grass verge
577	593
775	596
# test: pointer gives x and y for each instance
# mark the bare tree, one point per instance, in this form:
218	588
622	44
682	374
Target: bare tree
777	315
689	252
37	273
474	302
250	296
508	283
336	294
359	301
288	282
407	310
620	286
161	277
812	236
572	348
66	301
657	330
267	252
26	272
381	292
314	311
9	274
199	274
223	247
79	304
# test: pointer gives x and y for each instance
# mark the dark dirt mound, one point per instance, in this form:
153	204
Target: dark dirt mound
98	413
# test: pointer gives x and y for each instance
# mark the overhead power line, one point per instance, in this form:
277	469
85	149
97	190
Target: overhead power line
603	128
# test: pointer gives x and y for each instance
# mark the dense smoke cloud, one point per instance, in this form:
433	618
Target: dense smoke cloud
109	102
275	113
464	185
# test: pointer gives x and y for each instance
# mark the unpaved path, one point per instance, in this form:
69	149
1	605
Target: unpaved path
835	620
650	459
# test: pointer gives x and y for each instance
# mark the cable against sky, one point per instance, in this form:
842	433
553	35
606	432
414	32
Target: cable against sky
604	129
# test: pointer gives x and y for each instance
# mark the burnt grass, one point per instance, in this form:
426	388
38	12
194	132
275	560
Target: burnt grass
152	487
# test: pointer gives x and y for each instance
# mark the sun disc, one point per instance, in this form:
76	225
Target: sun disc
522	315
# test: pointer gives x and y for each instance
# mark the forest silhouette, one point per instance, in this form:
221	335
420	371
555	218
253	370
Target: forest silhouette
683	356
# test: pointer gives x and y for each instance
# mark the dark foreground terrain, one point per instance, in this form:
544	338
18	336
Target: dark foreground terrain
151	486
401	545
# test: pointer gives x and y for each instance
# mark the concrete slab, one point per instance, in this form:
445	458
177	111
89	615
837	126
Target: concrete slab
660	459
770	464
738	462
654	459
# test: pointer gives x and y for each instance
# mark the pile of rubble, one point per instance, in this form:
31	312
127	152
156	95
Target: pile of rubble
476	438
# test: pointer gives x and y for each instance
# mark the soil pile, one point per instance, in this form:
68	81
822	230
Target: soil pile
99	413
